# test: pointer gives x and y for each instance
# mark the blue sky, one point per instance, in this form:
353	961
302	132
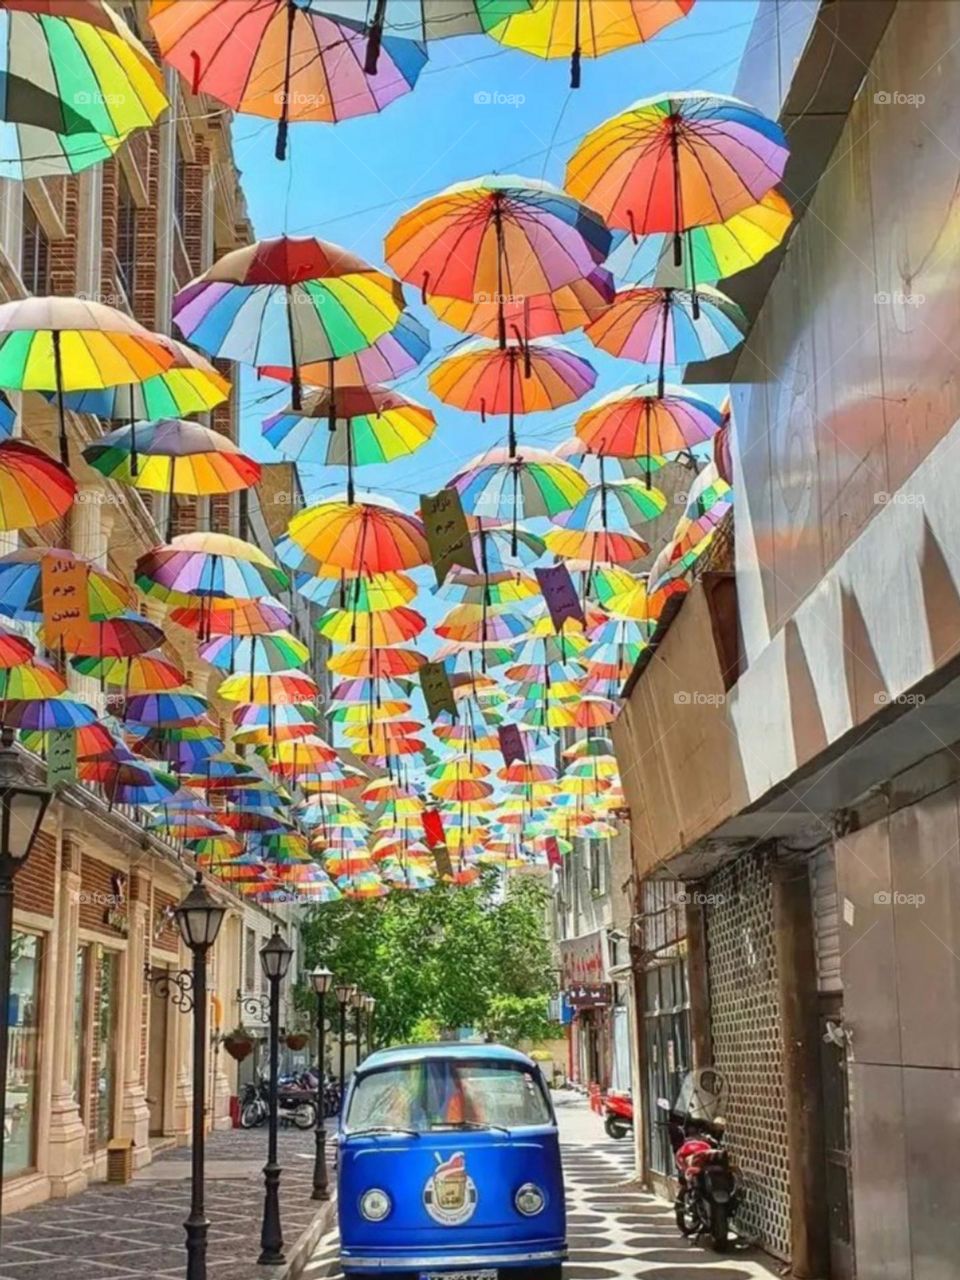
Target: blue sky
477	109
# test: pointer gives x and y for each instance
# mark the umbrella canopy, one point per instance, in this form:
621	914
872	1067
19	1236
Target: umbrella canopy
208	564
669	326
385	627
118	637
614	505
373	664
485	379
278	651
165	710
273	689
638	422
497	236
359	537
233	617
395	353
684	160
72	344
288	301
513	487
34	489
366	595
576	29
283	61
76	82
14	648
598	546
190	385
32	679
351	426
58	712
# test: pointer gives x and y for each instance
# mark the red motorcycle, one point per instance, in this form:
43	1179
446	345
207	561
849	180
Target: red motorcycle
618	1113
709	1184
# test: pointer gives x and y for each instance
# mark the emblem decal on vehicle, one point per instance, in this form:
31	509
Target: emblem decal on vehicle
450	1196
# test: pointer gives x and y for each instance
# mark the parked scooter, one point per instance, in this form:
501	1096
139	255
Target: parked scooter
710	1186
618	1113
296	1103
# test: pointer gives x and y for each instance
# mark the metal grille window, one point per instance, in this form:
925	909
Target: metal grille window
35	253
747	1043
126	239
666	1052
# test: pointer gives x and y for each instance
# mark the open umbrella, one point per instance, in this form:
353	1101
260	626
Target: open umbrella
513	486
485	379
397	352
278	651
208	565
72	344
496	237
34	488
570	307
676	161
351	426
367	594
117	637
75	83
358	538
21	584
288	301
282	59
385	627
576	29
232	617
638	421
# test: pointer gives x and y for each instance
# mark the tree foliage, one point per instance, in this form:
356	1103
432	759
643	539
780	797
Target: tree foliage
442	958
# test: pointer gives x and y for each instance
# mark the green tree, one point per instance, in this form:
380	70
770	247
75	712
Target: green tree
442	957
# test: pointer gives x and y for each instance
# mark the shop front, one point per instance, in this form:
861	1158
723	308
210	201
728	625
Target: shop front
589	994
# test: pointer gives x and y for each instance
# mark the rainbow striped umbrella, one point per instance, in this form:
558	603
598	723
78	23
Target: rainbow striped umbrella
638	421
278	651
58	712
385	627
190	385
288	301
515	486
34	489
21	584
207	564
136	673
570	307
233	617
397	352
357	538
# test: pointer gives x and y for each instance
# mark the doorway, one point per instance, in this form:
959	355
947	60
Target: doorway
157	1060
836	1136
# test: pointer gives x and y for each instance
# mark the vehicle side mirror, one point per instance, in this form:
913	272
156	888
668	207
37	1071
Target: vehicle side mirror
663	1104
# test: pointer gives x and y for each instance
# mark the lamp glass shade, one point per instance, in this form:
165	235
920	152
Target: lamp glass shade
357	998
345	992
320	980
23	809
199	917
369	1004
275	957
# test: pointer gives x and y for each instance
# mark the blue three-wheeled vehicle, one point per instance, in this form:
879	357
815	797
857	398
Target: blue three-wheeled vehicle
449	1166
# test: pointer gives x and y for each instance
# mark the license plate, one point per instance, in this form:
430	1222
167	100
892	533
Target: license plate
486	1273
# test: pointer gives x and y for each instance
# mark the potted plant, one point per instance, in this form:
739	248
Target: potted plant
238	1043
296	1039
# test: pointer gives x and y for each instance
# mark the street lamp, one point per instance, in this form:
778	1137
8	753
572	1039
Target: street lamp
370	1004
345	992
199	917
275	958
359	999
21	812
320	980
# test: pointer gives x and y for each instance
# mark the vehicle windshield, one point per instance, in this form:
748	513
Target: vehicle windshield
438	1094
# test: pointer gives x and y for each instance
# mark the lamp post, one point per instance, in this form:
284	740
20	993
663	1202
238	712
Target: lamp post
359	999
199	917
345	992
321	980
275	958
370	1004
21	812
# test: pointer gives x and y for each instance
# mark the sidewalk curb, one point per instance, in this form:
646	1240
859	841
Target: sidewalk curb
302	1251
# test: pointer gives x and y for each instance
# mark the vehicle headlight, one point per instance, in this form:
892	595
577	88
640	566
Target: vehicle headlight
529	1200
375	1204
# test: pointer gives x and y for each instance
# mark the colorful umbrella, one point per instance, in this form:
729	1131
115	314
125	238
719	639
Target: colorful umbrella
173	457
165	710
72	344
570	307
513	487
233	617
397	352
118	637
208	564
14	648
491	381
669	326
34	489
670	163
58	712
351	426
637	422
21	584
278	651
586	28
497	237
367	595
282	60
359	537
76	82
274	689
288	301
385	627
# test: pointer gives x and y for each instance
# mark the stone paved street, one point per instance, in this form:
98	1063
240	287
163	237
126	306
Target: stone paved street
119	1233
616	1231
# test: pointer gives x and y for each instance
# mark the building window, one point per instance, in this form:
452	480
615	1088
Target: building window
180	190
35	253
104	1070
250	960
23	1055
126	239
81	1021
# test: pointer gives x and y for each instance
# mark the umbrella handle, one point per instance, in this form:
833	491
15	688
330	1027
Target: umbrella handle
577	51
296	386
61	412
283	124
375	39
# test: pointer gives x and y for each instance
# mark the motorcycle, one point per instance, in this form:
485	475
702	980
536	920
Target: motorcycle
296	1102
709	1184
618	1113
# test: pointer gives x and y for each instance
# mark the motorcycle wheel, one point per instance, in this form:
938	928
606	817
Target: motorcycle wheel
719	1227
686	1219
305	1115
251	1114
615	1128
